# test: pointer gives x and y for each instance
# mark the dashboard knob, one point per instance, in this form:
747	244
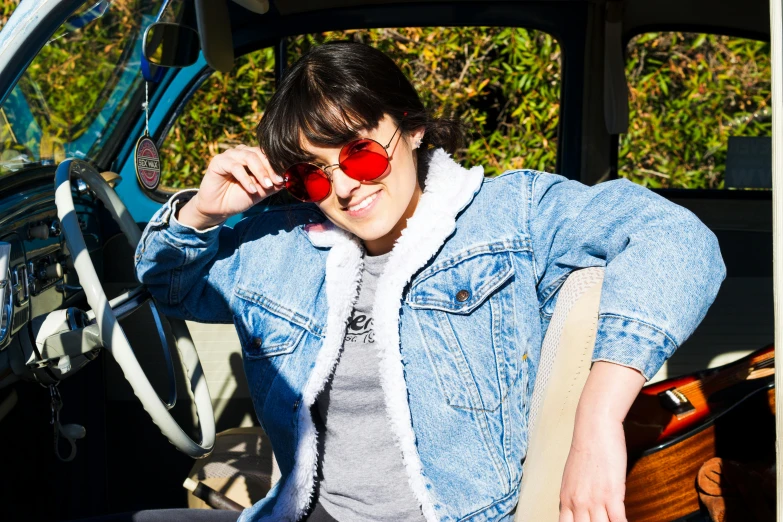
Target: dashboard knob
53	271
40	231
54	228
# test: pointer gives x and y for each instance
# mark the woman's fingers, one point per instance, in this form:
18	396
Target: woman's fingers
278	180
582	515
239	173
566	515
264	163
246	166
598	514
257	168
616	511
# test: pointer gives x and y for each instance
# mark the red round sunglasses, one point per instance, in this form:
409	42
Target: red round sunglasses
362	159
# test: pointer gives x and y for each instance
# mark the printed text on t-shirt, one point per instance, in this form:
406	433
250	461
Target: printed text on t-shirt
359	328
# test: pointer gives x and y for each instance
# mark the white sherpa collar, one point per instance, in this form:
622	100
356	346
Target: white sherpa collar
449	189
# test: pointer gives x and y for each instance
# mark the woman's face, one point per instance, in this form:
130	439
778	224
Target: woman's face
375	211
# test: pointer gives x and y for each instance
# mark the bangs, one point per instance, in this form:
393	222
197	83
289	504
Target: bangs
311	109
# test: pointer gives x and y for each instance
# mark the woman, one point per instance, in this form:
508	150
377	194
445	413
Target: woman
391	327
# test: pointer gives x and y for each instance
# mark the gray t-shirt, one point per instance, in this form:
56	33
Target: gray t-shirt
363	474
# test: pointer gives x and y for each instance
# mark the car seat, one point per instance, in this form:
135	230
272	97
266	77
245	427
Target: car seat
566	356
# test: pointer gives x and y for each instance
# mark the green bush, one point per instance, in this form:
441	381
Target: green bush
74	74
78	68
223	113
688	94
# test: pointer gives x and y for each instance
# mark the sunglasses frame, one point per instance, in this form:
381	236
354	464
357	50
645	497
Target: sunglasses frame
322	169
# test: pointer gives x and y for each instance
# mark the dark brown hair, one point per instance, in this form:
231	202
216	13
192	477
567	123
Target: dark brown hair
337	90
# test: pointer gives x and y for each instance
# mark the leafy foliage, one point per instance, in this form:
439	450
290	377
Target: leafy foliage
503	83
79	68
688	94
73	76
223	113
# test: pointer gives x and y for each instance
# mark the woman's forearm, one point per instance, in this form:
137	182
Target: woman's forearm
593	486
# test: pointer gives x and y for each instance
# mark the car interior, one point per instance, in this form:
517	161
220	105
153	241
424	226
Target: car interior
84	352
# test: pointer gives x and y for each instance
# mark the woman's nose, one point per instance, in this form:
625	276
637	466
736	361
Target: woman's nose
344	186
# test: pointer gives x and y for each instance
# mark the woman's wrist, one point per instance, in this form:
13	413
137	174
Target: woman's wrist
189	215
608	394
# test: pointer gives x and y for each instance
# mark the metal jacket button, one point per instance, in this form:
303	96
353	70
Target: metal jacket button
462	296
257	342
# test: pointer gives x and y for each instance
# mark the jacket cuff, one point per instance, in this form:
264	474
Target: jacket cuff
177	233
632	343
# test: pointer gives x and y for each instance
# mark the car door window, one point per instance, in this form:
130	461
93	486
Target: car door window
221	114
503	83
700	112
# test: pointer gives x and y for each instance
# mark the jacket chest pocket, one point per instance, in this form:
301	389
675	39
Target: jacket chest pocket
466	315
269	337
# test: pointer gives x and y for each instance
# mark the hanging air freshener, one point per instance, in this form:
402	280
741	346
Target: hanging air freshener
146	157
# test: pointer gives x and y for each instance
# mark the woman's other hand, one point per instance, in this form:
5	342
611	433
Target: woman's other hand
593	486
235	180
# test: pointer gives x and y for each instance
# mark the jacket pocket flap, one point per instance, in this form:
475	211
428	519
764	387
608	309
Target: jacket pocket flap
280	310
267	328
462	287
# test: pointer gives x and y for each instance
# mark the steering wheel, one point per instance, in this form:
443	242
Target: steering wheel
112	336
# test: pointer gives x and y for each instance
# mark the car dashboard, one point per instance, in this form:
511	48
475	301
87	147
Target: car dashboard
41	277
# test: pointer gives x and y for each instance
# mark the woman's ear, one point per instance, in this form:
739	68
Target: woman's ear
415	138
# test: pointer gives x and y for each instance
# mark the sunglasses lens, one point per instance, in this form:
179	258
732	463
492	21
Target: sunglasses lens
364	160
307	182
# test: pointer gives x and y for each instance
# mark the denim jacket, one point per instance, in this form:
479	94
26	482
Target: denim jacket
460	314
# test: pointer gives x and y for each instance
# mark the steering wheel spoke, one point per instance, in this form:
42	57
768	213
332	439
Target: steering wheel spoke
126	302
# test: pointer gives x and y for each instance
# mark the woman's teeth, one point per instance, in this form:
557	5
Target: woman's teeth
364	203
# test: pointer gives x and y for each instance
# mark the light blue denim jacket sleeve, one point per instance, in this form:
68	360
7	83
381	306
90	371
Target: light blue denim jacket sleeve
192	279
663	265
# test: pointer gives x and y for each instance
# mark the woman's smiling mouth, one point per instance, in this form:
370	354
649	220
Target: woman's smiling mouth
363	207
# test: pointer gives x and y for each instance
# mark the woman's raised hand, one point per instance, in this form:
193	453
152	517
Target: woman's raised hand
235	180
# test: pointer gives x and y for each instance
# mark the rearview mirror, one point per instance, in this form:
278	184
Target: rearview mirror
171	45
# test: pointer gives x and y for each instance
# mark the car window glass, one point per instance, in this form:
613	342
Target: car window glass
503	83
221	114
700	112
73	93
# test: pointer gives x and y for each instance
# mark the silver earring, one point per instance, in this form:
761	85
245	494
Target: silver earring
417	143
